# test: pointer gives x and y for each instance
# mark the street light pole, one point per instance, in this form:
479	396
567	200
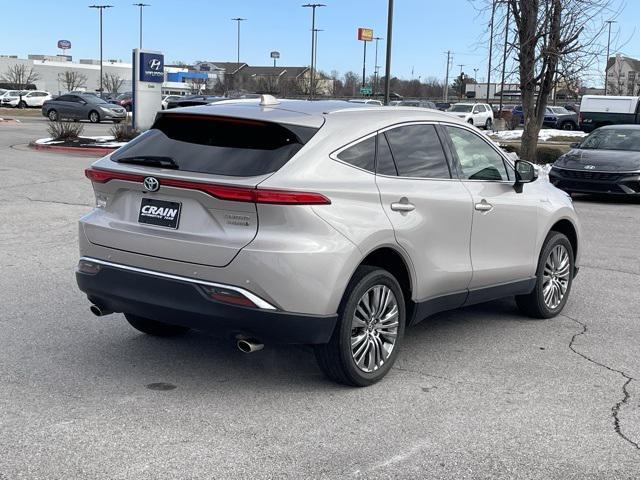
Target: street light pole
313	7
504	55
141	5
315	55
387	70
607	61
493	15
376	66
100	8
238	19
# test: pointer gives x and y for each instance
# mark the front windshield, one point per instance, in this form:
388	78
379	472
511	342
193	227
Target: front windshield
461	108
613	139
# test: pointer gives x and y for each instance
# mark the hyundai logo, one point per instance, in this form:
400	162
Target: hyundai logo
589	167
155	64
151	184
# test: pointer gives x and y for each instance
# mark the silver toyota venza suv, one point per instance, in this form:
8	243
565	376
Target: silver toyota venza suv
322	223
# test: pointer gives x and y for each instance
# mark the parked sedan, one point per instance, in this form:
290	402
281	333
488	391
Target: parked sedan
607	161
418	103
82	107
561	118
125	100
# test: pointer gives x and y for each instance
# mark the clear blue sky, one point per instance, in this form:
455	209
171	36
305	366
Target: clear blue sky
190	30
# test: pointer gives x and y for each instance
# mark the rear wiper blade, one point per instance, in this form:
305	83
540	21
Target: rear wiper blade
150	160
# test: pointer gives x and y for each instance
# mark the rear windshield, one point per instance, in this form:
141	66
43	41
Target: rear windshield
216	145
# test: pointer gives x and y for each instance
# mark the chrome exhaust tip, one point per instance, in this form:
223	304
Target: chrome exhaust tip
99	311
249	345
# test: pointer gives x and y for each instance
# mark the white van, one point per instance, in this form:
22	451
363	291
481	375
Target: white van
599	110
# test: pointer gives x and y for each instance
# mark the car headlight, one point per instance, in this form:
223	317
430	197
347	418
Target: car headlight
105	109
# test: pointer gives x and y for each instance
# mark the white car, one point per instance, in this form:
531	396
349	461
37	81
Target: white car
25	98
168	98
477	114
366	101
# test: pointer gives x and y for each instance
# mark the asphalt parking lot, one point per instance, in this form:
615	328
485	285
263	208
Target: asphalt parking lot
479	392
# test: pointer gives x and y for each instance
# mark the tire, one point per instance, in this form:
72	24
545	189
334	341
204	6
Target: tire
127	108
488	124
470	121
534	304
94	117
52	115
153	327
336	358
22	105
568	126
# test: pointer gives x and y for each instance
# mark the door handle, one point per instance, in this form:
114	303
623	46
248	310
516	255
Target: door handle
483	206
403	207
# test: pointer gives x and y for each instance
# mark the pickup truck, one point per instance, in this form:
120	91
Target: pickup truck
599	110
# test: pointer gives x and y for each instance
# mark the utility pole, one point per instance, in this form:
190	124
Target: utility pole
313	7
100	9
315	56
238	19
446	78
493	15
461	80
504	55
606	80
141	5
376	66
387	77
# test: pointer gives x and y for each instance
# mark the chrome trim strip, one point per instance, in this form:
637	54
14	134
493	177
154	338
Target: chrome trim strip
260	303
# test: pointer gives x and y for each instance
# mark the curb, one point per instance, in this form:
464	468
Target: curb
97	151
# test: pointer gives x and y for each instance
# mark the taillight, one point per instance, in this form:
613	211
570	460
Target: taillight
223	192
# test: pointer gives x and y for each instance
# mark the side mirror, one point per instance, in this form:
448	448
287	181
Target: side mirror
575	145
525	173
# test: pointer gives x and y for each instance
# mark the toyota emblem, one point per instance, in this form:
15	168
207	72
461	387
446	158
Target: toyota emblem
151	184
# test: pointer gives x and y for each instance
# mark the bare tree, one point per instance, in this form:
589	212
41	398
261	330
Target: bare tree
199	85
19	75
546	32
112	82
72	80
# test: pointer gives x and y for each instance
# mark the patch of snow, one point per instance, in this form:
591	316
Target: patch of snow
106	144
47	141
545	135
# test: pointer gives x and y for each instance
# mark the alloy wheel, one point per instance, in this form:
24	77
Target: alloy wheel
374	328
557	271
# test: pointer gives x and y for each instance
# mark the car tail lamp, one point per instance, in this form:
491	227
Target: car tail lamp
222	192
225	295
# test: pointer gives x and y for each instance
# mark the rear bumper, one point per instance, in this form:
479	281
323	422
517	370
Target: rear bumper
183	302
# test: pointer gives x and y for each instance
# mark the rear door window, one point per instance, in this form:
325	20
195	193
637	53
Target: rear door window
417	152
216	145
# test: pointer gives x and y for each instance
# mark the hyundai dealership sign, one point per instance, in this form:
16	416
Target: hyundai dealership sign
151	67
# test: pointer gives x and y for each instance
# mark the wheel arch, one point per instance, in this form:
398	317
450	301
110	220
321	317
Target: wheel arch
391	259
566	227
